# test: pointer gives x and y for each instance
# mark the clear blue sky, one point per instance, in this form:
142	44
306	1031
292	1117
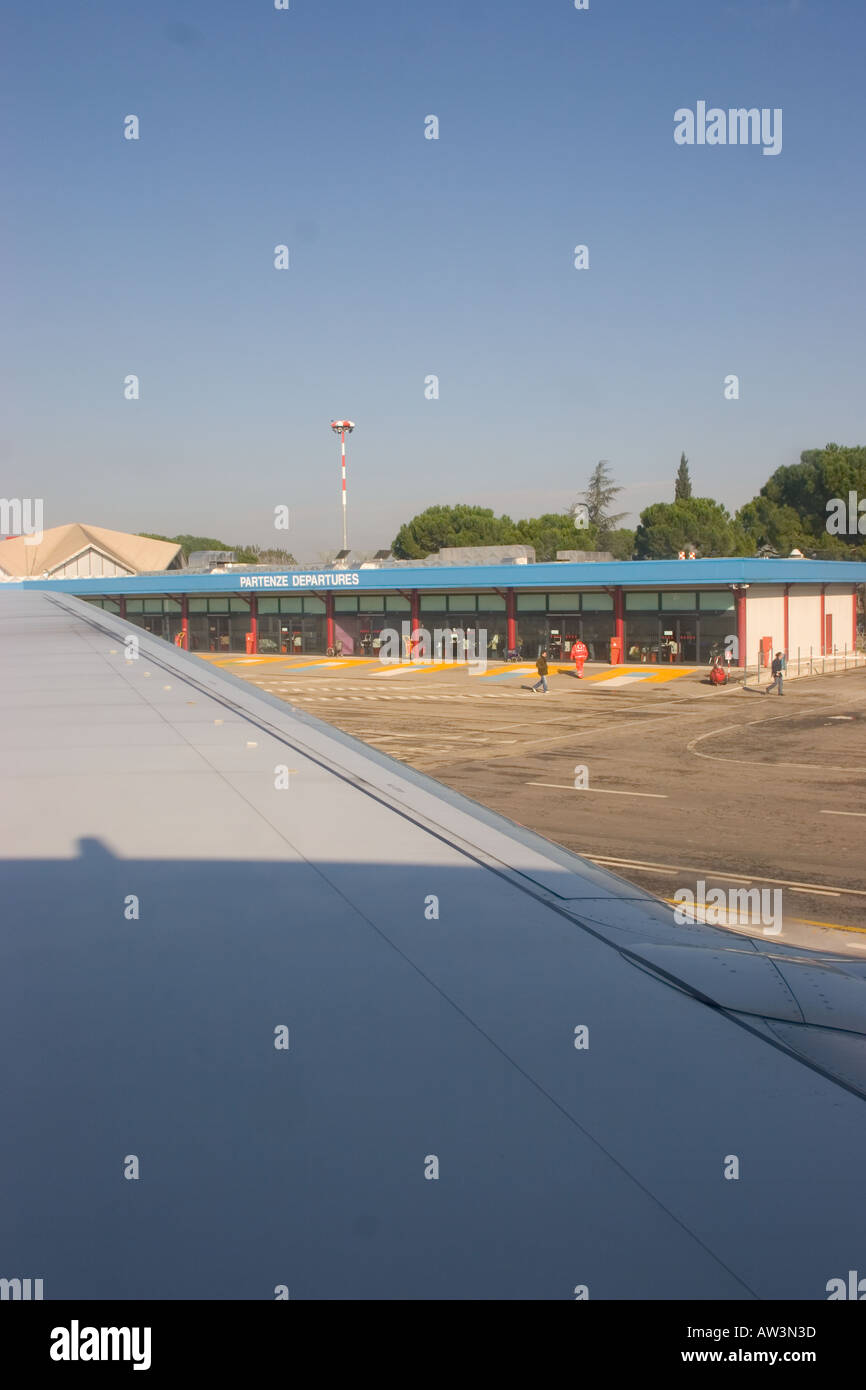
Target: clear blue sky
412	257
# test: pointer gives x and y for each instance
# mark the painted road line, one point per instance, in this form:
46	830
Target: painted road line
512	668
818	892
617	682
712	873
800	921
413	670
643	671
508	673
769	719
609	791
843	813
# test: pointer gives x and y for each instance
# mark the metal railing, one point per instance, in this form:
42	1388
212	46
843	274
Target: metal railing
813	664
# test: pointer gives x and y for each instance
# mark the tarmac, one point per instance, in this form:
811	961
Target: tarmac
652	773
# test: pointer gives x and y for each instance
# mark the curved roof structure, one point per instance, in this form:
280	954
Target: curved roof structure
35	557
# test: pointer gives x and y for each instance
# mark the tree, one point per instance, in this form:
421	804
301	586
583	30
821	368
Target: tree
620	543
554	531
683	483
699	523
189	543
258	555
768	523
597	497
438	527
244	554
796	504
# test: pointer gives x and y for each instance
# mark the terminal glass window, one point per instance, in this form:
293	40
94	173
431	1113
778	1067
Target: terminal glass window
563	603
597	603
716	602
491	626
636	603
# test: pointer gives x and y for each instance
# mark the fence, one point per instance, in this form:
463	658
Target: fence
813	665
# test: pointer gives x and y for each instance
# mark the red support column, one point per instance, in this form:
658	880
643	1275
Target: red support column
330	639
854	621
823	622
510	620
121	601
254	621
787	592
184	621
619	620
415	612
740	597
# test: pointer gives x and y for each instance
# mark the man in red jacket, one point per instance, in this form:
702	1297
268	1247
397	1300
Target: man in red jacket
579	653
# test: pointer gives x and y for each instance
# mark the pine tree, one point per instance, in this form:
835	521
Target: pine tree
683	484
600	492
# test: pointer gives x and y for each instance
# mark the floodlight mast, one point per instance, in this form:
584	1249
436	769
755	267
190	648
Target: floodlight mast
342	428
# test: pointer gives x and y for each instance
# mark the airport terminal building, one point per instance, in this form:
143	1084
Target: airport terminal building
681	611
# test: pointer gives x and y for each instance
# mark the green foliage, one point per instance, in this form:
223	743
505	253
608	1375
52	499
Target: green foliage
683	482
255	555
190	543
791	509
597	496
697	523
555	531
620	543
244	554
452	526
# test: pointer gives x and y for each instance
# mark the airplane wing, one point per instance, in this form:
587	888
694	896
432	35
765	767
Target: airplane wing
281	1013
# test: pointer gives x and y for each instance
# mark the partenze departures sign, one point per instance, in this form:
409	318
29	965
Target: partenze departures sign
333	580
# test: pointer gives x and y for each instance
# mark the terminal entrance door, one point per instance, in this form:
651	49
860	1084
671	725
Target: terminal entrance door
218	634
678	640
562	631
299	635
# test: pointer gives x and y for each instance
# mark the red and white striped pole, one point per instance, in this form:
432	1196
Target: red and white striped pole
345	515
343	427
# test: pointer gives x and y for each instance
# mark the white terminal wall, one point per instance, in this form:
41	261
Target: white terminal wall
839	604
765	617
804	620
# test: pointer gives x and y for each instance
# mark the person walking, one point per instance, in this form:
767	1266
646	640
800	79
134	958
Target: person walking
579	652
778	671
541	667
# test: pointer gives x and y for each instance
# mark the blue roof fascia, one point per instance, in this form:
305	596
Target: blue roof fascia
642	574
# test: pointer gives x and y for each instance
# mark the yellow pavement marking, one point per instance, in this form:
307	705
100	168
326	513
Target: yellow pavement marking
671	675
648	673
713	873
509	668
414	667
801	921
229	658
